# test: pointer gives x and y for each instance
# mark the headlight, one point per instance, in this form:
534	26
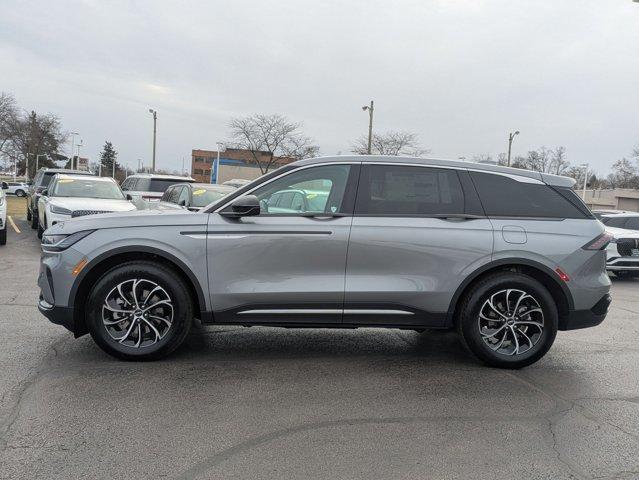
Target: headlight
60	210
58	242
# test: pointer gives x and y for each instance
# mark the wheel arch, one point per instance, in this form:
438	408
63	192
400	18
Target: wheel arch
543	274
101	264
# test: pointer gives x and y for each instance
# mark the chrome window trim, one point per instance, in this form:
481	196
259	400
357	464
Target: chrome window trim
518	178
304	167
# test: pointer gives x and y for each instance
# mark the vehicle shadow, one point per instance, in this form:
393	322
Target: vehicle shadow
241	343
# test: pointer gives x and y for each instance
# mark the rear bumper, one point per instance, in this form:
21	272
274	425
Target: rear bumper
586	318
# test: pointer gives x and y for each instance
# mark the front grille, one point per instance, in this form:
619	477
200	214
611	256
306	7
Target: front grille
82	213
626	245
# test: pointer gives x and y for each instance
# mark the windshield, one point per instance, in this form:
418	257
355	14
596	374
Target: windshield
156	184
88	188
202	197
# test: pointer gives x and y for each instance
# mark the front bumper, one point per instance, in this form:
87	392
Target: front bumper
622	263
58	315
586	318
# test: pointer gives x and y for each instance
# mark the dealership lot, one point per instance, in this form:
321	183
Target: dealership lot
275	403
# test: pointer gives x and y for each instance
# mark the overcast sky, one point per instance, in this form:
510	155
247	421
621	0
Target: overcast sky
459	73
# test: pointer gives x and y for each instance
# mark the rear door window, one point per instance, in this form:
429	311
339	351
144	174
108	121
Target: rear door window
406	190
167	195
503	196
633	223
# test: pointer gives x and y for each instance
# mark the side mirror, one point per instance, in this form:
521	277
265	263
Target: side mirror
5	186
246	206
129	197
182	203
44	192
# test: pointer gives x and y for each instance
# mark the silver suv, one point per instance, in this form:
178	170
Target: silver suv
506	256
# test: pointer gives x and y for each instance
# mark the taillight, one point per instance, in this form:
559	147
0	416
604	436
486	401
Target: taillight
600	242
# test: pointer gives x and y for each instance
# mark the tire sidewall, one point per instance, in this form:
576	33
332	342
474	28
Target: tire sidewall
167	279
470	314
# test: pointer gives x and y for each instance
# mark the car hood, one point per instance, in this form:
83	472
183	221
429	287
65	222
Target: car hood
137	218
106	205
622	232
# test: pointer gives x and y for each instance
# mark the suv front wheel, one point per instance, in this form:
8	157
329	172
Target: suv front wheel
139	311
508	320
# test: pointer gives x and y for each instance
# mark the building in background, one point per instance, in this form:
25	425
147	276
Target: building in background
234	163
613	199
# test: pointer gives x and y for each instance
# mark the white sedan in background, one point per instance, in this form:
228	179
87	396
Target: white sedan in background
3	216
70	196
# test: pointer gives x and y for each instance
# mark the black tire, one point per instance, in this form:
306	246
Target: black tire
3	236
41	229
468	320
167	279
28	215
34	220
20	193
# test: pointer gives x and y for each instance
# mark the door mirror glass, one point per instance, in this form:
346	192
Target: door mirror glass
245	206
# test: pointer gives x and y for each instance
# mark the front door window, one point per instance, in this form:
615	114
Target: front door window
316	190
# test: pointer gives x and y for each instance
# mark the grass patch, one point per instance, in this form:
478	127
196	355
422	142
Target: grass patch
16	206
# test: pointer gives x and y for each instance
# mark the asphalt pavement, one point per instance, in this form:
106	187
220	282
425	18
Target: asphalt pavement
268	403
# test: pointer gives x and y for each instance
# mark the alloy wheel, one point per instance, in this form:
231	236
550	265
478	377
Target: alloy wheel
511	322
137	313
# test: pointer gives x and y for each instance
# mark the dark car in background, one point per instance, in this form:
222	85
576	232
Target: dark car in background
40	183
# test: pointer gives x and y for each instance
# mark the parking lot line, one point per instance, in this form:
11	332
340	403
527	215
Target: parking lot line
15	227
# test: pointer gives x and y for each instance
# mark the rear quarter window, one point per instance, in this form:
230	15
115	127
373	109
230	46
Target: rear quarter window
615	222
503	196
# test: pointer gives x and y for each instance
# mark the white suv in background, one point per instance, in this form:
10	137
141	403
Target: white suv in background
149	187
19	189
3	215
623	251
70	196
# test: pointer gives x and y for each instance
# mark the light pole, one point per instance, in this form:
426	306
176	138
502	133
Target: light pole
511	136
73	134
370	109
216	167
79	145
26	168
38	160
155	119
585	167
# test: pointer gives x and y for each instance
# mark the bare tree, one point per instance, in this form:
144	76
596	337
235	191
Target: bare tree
8	117
390	143
558	161
483	158
624	174
269	137
502	159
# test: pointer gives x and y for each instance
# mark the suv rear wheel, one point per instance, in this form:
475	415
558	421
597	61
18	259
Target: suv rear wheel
34	220
139	311
508	320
